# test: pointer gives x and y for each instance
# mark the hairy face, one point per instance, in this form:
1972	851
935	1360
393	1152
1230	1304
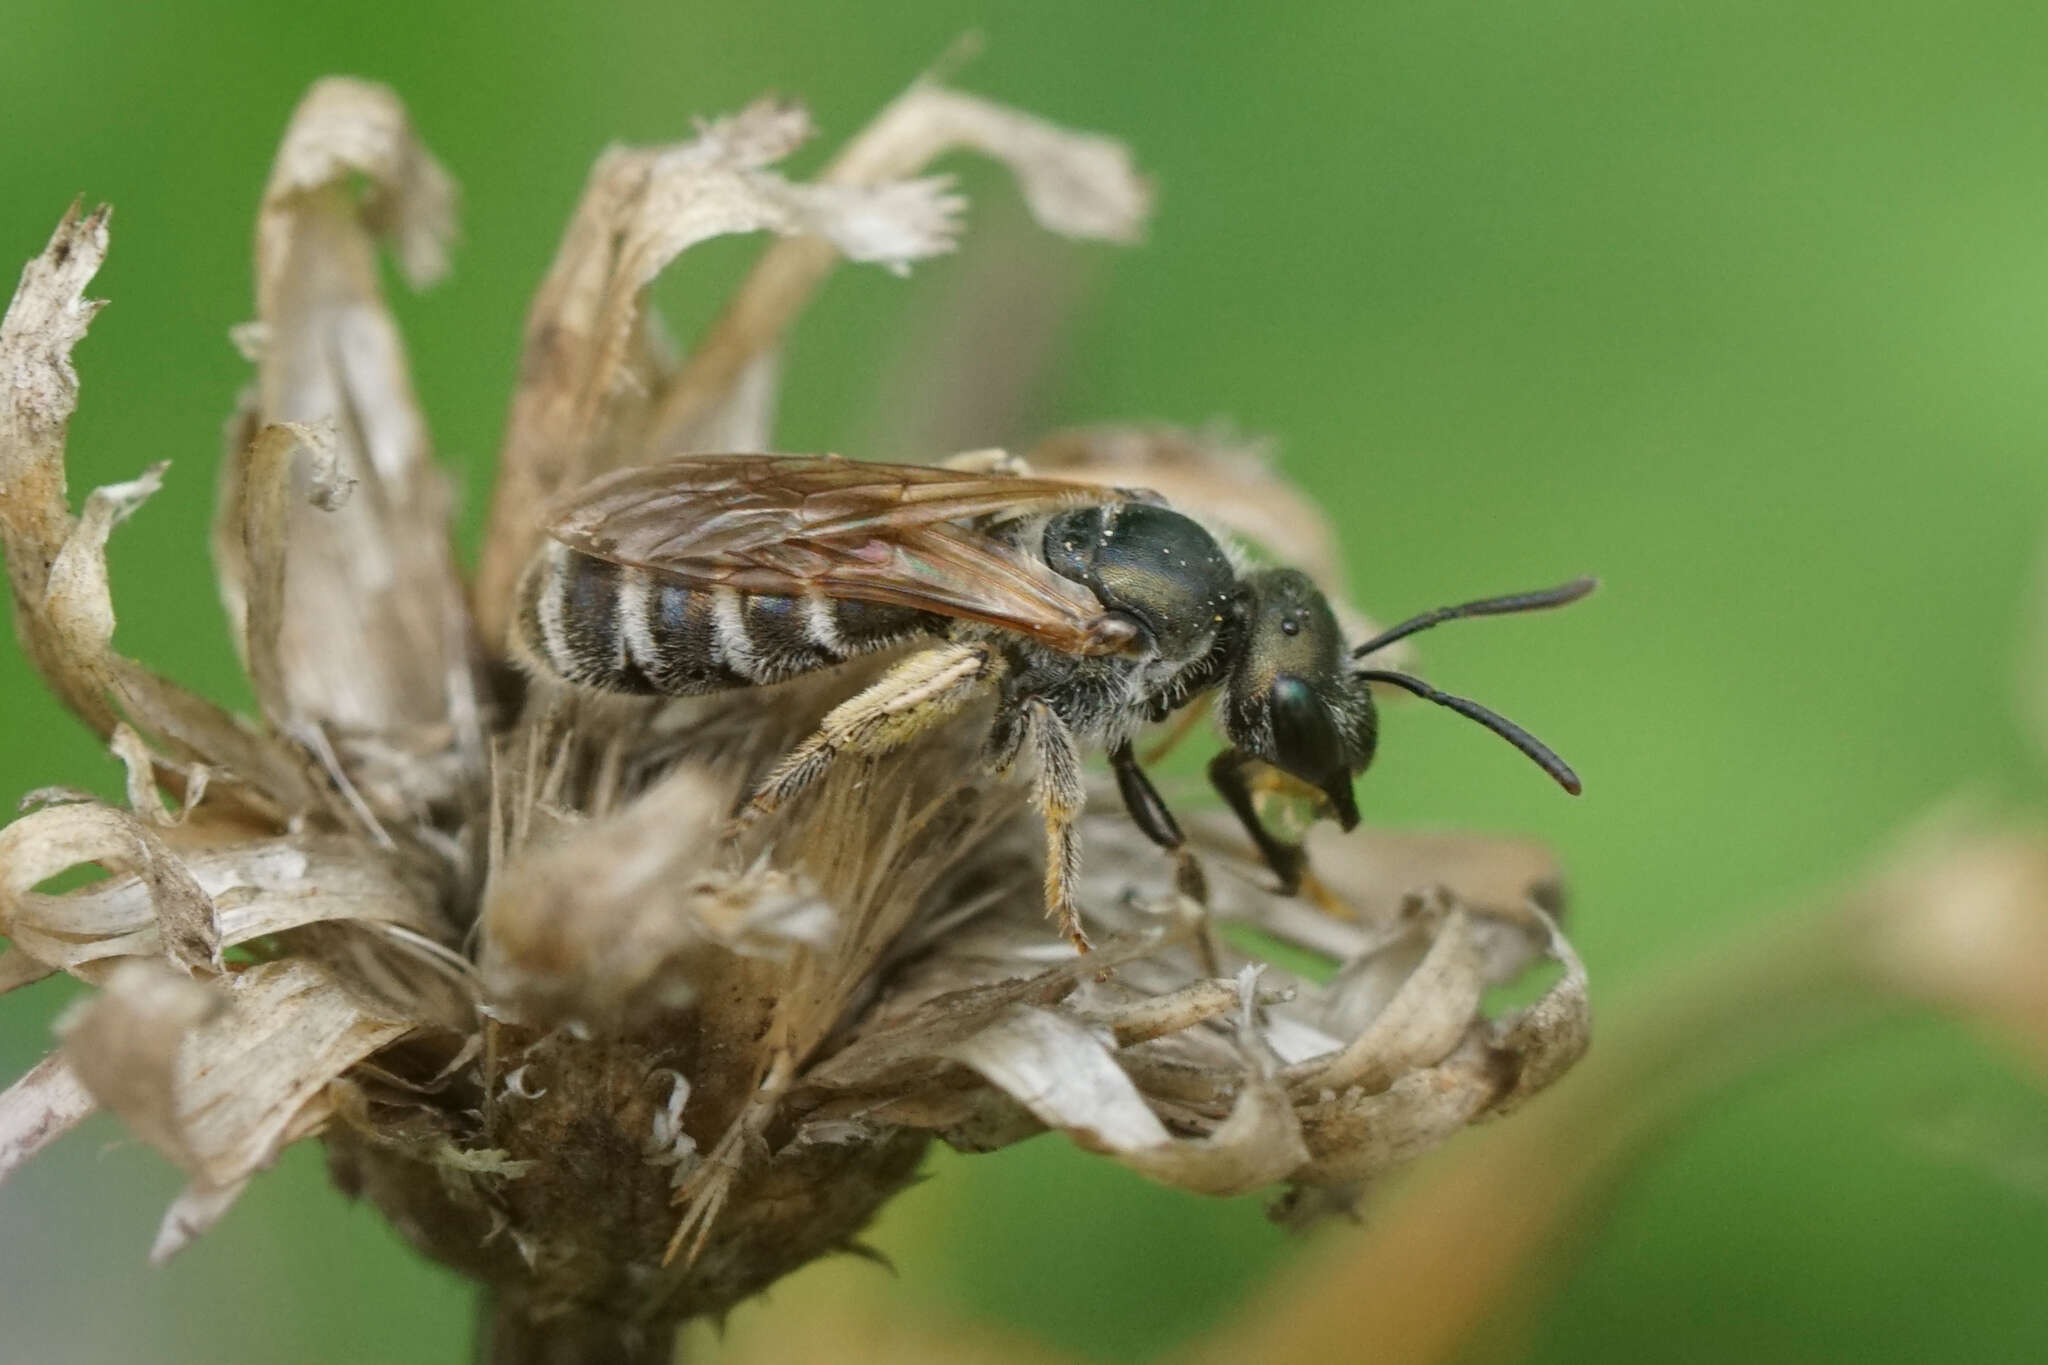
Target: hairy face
1290	700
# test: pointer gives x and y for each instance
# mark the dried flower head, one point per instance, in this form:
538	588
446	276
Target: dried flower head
483	941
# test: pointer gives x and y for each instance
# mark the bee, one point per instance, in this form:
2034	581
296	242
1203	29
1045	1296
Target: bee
1087	612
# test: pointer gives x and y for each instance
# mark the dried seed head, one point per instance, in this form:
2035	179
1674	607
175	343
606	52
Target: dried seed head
496	952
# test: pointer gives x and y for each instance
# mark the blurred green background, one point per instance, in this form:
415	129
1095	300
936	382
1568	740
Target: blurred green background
1743	306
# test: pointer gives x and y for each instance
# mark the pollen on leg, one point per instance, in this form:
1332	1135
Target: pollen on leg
1062	871
910	700
1059	794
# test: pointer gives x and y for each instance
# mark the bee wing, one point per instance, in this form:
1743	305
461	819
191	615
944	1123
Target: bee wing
872	532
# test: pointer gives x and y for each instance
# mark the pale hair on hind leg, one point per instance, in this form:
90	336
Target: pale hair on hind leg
1060	795
911	699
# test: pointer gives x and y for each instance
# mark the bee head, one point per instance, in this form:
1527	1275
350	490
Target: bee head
1298	701
1290	701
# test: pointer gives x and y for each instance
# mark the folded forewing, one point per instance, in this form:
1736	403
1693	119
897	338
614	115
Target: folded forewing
845	528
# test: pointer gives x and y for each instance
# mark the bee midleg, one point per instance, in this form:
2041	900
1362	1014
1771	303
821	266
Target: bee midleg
910	699
1149	812
1059	795
1142	799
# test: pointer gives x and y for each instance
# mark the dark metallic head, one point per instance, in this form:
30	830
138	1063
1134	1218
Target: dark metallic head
1294	699
1287	698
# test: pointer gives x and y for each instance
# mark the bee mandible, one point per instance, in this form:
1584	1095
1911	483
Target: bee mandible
1088	612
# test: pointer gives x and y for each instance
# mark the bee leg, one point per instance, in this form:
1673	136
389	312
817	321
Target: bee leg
912	698
1059	796
1005	740
1226	773
1149	811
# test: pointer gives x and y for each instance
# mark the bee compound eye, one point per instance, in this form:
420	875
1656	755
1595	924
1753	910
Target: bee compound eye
1308	744
1305	738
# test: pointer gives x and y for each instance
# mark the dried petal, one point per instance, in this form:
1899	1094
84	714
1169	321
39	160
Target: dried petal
266	483
219	1079
1366	883
1076	184
1541	1042
57	567
1418	1027
1361	1134
78	612
18	969
248	1076
371	632
1068	1079
168	911
1156	1016
46	318
1468	1249
45	1104
895	1048
138	762
593	356
124	1042
345	128
1390	1059
221	895
632	914
191	1216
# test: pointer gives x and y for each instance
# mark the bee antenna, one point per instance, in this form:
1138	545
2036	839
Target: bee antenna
1485	606
1545	757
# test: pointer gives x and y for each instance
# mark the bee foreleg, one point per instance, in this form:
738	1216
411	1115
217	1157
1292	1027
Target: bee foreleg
909	700
1226	772
1059	795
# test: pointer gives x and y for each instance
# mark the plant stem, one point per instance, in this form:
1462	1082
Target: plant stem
506	1334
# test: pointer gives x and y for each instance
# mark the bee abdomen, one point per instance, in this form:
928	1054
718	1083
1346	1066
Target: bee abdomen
624	629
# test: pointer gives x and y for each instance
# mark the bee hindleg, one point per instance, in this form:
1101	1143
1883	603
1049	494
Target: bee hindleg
912	698
1226	773
1059	795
